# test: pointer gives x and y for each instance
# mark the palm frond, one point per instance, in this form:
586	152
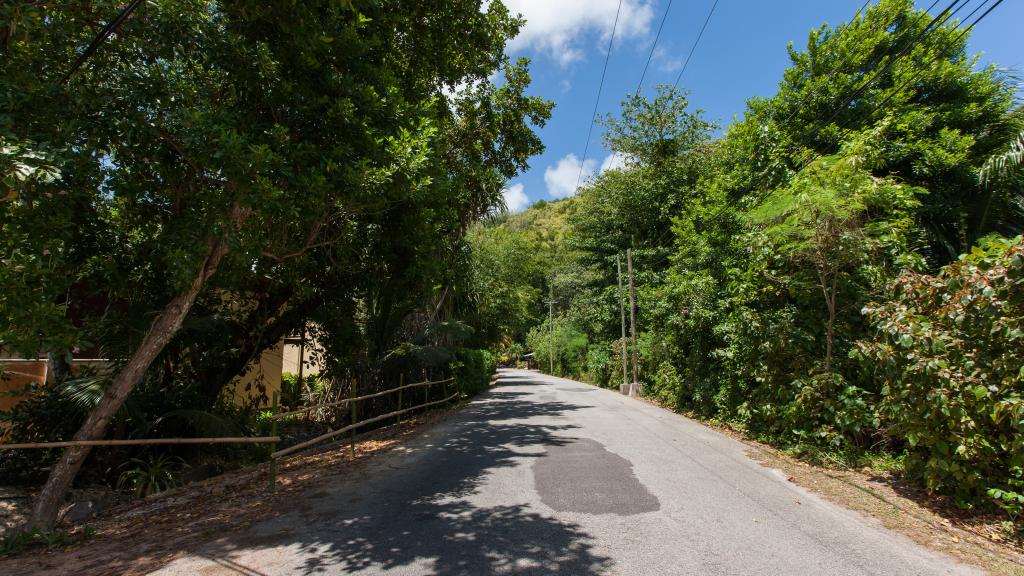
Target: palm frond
1005	165
204	423
84	393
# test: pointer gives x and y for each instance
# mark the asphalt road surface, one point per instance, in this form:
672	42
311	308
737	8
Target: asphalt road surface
548	476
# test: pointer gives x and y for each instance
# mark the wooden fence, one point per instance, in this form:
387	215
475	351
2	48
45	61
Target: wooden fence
274	438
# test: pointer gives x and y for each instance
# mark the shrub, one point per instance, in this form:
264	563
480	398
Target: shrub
45	415
829	411
146	476
950	356
667	385
473	369
567	343
292	393
600	364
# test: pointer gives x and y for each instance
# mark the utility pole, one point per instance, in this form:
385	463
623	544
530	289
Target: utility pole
302	356
634	390
622	313
551	325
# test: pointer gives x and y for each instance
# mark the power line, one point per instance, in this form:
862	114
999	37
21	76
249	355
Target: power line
927	29
938	55
653	46
688	56
862	13
695	42
597	101
106	32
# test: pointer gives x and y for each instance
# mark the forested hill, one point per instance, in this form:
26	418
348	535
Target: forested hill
841	270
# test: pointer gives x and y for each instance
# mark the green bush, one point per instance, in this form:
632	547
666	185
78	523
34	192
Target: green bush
667	385
567	343
950	355
599	364
473	369
292	393
45	415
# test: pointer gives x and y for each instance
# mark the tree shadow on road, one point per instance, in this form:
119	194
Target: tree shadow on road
420	511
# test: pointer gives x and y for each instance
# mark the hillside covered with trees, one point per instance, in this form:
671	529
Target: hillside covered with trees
841	271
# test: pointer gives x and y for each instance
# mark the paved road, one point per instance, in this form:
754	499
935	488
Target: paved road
549	476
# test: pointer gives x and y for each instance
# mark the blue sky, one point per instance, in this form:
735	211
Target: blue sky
742	54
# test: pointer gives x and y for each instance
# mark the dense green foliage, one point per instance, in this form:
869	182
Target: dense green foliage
786	272
472	370
951	356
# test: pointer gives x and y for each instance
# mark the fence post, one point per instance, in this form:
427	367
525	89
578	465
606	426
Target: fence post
401	381
426	394
445	388
355	416
273	432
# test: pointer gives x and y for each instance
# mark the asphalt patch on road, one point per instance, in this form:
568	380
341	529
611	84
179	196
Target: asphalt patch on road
582	476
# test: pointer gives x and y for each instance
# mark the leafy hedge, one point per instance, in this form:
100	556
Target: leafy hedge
950	354
473	369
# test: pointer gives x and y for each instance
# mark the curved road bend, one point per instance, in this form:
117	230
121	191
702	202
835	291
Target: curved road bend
544	475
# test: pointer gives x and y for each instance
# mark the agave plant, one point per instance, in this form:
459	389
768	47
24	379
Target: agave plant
151	475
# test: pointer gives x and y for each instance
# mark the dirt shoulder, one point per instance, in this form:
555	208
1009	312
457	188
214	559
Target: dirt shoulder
140	537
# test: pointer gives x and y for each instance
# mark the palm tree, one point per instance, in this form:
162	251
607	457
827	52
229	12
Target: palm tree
1002	178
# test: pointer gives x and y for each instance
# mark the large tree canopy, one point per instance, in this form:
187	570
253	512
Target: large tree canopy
261	162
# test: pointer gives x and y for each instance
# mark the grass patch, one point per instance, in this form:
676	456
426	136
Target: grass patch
25	539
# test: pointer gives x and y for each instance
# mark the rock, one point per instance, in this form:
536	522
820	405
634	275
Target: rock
78	512
86	504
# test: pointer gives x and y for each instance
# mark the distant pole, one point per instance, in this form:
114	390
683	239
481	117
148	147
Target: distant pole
353	392
635	388
551	326
273	432
302	355
622	314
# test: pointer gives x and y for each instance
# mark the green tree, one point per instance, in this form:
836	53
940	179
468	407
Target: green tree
821	218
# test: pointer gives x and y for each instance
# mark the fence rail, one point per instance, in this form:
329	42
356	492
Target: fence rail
351	427
145	442
356	399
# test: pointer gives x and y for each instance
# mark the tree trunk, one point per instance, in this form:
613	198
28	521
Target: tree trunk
44	514
57	366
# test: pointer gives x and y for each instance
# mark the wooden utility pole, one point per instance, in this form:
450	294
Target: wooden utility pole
551	326
634	390
622	313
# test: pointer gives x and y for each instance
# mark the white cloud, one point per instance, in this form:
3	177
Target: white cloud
666	62
613	161
556	27
515	198
561	178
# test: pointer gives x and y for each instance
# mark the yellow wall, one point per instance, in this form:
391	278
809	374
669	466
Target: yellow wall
15	376
261	379
291	359
257	385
